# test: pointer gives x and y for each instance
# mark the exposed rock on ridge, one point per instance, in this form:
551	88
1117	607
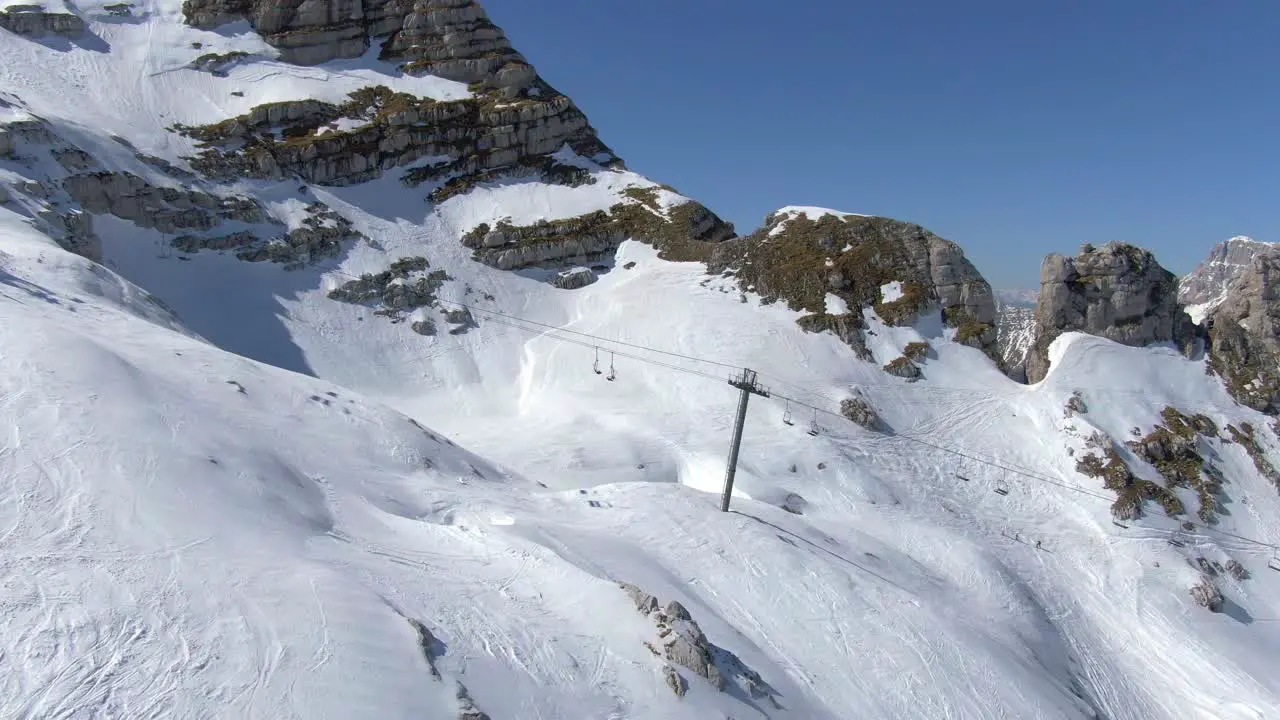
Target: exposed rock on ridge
461	138
686	231
1117	291
1244	335
453	39
800	260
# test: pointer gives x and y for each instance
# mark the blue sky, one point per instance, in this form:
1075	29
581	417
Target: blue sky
1014	128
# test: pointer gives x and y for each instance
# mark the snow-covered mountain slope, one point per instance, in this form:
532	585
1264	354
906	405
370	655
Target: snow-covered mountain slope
1204	288
192	533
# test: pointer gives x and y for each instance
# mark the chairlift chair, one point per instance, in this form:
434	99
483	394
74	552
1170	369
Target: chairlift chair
813	425
612	374
1177	541
786	415
1001	489
596	365
1274	564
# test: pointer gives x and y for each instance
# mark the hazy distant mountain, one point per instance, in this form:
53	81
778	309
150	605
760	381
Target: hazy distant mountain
1018	297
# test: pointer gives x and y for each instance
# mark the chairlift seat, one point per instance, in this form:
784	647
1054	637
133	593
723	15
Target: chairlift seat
1001	491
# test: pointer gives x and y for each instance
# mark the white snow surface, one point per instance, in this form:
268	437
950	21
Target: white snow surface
224	495
890	292
812	213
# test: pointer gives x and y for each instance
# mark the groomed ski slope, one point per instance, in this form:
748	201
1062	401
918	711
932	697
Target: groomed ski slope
175	547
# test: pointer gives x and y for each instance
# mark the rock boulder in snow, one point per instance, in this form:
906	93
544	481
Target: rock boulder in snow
33	21
574	278
1117	291
1207	595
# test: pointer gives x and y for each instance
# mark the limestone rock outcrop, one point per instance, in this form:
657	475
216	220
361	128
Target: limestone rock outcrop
33	21
802	260
385	130
1244	335
166	209
686	231
1117	291
453	39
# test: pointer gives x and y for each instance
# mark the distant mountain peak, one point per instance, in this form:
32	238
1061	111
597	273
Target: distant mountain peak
1204	288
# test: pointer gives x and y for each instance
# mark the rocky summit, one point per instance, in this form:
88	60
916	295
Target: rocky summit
1204	288
1117	291
806	256
1244	333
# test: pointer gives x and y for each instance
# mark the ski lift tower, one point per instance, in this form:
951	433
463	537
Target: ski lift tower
748	385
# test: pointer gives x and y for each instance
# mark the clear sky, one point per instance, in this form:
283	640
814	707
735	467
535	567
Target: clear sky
1015	128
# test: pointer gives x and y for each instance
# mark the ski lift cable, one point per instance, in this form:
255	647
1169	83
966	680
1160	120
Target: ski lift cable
771	377
1050	481
550	330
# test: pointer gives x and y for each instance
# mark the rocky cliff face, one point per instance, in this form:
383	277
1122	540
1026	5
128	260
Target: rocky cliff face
1244	334
453	39
801	260
1206	286
1117	291
32	20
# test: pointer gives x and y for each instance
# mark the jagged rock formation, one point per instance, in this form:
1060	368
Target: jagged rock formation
1204	288
386	129
1015	332
1117	291
453	39
33	21
1244	335
406	285
800	260
685	645
685	231
166	209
